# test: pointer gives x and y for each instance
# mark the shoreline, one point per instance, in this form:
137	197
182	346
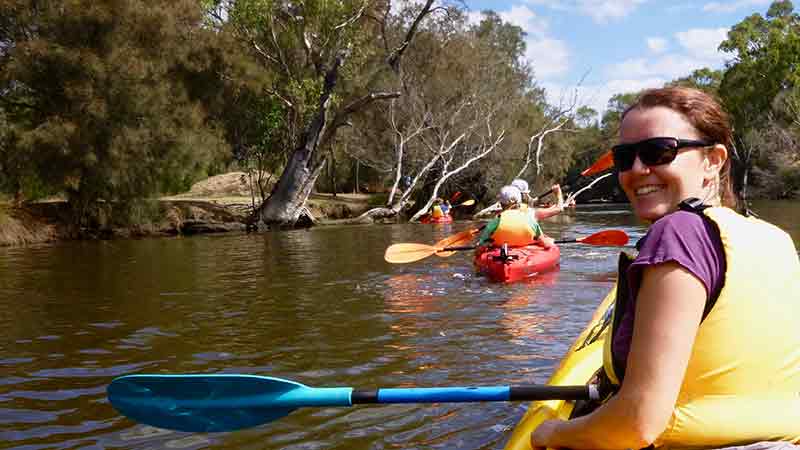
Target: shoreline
178	215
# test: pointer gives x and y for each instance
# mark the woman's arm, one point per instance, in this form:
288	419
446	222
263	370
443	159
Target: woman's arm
544	213
669	307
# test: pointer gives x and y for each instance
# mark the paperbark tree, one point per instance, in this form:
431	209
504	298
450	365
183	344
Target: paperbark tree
328	65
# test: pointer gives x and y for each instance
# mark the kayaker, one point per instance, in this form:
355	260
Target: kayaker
704	350
436	209
445	205
515	225
527	200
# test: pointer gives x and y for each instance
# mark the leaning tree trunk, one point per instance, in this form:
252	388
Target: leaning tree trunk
286	204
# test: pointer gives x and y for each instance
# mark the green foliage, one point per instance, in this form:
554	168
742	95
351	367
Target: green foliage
122	99
99	96
377	200
766	54
704	79
617	105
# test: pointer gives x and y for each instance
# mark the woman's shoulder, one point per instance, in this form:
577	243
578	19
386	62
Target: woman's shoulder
684	228
690	240
677	220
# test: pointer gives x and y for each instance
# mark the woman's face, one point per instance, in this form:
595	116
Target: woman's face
655	191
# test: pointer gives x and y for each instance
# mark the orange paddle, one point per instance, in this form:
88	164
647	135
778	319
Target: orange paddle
407	253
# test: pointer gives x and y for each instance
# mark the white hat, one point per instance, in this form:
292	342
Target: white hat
509	195
522	185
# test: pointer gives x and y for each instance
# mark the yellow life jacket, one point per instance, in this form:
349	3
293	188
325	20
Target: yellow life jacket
742	384
436	211
514	229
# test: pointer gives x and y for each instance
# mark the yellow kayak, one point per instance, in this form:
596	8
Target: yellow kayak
580	363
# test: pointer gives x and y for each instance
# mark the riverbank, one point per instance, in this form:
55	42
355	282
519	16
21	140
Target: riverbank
41	222
217	205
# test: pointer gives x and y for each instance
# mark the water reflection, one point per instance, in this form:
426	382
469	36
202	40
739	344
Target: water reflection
320	307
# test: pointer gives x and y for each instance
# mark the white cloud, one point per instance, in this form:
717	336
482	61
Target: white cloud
603	93
657	44
668	66
699	47
604	10
525	18
601	11
548	57
596	96
727	7
702	43
474	17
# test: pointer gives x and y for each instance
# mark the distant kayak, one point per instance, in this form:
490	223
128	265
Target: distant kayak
518	264
447	218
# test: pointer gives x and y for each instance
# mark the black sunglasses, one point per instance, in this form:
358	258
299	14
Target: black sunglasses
652	152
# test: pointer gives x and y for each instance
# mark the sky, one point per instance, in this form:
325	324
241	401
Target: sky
605	47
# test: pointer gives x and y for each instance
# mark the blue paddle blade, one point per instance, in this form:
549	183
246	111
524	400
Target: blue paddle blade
211	403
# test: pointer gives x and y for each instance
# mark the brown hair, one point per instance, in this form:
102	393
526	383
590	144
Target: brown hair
706	115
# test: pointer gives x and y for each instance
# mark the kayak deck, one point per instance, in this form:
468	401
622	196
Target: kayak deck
519	264
447	218
580	363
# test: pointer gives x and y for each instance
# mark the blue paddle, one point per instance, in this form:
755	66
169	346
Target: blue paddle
227	402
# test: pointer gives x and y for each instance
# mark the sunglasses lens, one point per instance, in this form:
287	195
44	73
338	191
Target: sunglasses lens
624	157
651	152
658	151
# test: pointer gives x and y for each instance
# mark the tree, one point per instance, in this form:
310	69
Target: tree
765	67
327	64
463	87
705	79
98	100
766	61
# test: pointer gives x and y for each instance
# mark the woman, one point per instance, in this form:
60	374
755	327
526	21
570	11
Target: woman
514	226
704	350
527	200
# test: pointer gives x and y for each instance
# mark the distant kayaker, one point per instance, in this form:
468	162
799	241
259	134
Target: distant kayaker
436	210
516	225
704	346
445	205
541	213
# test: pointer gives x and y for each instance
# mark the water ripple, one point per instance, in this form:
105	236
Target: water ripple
320	307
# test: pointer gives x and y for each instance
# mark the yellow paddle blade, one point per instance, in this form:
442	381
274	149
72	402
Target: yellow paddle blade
407	253
456	240
469	202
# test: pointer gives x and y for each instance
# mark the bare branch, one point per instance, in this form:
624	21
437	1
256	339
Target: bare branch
571	197
285	100
353	19
341	116
487	148
394	58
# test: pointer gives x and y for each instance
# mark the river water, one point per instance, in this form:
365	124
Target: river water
320	307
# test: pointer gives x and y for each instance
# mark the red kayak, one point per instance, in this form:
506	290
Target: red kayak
447	218
516	263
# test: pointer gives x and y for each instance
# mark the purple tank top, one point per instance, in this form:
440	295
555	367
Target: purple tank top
685	238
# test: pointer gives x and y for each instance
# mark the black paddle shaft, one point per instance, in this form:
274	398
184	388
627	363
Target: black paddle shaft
473	247
551	393
515	393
